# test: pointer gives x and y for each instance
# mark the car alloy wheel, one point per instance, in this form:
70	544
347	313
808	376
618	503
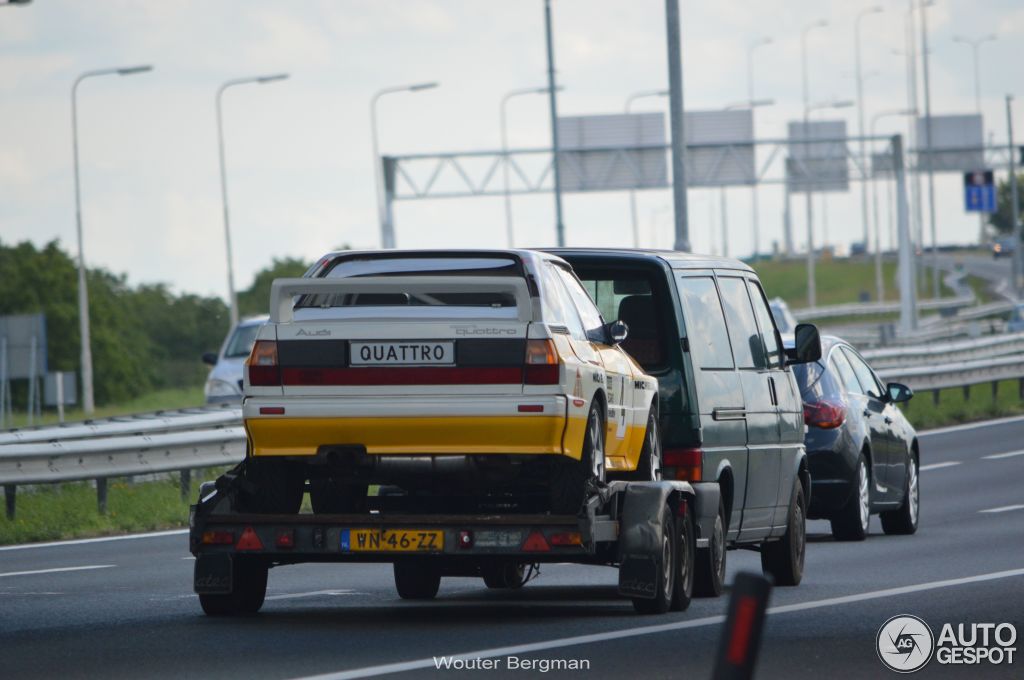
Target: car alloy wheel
863	500
913	491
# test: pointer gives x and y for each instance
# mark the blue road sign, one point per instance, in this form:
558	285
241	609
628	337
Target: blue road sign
979	191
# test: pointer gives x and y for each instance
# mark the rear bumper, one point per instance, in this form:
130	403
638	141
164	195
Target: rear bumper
833	473
414	426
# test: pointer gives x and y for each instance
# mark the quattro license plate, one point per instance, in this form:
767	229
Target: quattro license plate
402	353
391	540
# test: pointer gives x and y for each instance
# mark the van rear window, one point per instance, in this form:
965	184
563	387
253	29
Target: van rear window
628	296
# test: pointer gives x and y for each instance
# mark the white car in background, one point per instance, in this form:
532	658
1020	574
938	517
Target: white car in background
224	384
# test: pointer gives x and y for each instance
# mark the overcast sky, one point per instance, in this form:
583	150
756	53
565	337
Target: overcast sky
299	153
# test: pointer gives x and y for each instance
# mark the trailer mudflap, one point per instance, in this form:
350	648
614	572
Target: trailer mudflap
212	574
640	534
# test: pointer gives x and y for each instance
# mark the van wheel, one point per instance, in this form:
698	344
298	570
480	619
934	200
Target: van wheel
852	521
709	562
276	487
504	575
648	468
783	560
329	496
903	520
416	580
665	585
572	480
249	588
685	555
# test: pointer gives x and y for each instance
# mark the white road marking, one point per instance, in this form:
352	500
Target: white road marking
315	593
54	571
419	664
189	557
81	541
1005	508
937	466
997	456
971	426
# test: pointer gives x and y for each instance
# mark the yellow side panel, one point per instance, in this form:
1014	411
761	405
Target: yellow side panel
455	435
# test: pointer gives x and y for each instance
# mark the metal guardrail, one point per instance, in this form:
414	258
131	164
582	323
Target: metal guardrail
872	308
944	353
959	374
143	423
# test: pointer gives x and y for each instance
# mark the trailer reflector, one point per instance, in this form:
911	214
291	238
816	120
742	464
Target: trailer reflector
218	538
285	538
465	539
249	540
536	542
565	538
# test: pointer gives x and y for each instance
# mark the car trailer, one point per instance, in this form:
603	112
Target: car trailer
648	530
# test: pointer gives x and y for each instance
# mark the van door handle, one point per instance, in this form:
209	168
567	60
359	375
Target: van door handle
729	413
772	393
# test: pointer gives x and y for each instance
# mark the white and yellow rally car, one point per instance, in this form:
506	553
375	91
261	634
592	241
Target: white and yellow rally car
442	374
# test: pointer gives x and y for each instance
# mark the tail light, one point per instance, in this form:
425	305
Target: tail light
682	464
825	414
262	364
542	363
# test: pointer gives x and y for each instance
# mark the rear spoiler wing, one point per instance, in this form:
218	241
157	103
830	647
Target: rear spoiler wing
282	290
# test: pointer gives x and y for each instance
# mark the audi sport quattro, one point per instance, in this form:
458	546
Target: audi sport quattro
445	375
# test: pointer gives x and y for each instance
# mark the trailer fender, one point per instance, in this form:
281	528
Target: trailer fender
640	534
213	574
706	499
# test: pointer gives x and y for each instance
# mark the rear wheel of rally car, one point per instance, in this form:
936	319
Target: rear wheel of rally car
572	480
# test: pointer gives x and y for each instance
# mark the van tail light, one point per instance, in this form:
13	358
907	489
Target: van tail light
542	365
262	364
828	415
682	464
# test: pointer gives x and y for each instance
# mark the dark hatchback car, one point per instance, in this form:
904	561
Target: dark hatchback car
863	454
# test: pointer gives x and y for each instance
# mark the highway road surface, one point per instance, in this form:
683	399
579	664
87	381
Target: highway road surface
124	608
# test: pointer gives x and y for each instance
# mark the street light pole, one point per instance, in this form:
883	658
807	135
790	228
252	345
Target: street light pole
232	295
677	124
811	292
88	402
1018	261
975	46
504	155
553	104
632	192
860	113
387	233
755	209
928	145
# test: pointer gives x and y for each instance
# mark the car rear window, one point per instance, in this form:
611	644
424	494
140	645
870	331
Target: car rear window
815	381
418	266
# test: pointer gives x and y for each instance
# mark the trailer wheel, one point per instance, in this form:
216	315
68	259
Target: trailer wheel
709	566
416	580
276	487
685	556
783	560
504	575
329	496
571	479
249	588
662	601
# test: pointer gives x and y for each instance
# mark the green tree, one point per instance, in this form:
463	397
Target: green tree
256	299
1002	219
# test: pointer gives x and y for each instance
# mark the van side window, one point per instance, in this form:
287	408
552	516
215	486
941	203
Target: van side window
746	340
767	323
558	308
705	322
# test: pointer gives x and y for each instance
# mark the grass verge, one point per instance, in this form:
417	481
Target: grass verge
953	408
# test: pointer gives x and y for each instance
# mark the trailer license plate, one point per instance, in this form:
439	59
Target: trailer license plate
391	540
405	353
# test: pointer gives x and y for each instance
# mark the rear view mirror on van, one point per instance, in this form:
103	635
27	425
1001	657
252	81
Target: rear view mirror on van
807	347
